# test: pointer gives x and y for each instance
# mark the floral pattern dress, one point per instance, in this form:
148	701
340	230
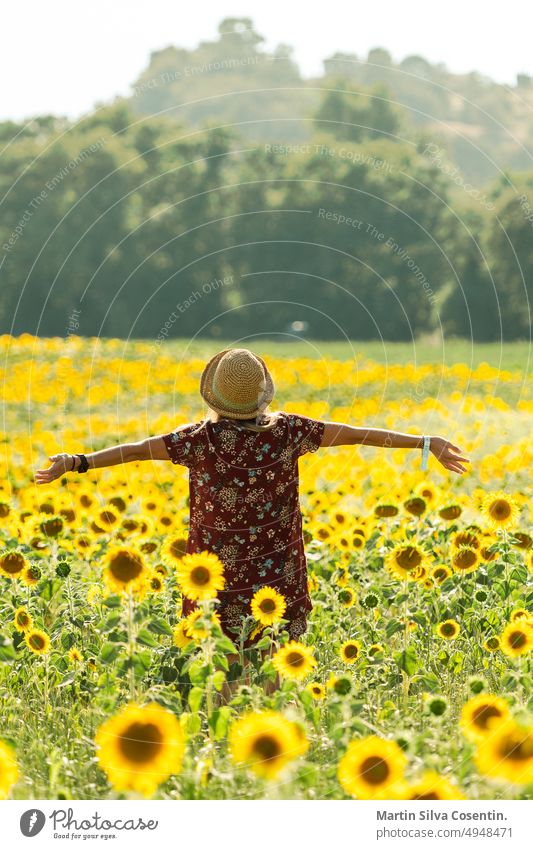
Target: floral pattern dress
244	507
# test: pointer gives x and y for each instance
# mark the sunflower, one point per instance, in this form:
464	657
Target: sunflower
519	614
312	583
480	714
500	510
449	629
317	690
197	631
200	576
404	560
350	651
371	768
492	644
375	649
466	537
266	742
31	575
37	641
155	582
465	559
440	573
173	549
415	505
347	597
23	620
13	564
94	595
294	660
140	747
124	569
75	655
521	539
516	639
450	512
386	510
9	772
181	634
507	753
268	606
104	519
431	787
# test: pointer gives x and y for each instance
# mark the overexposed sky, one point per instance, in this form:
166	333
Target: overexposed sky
63	56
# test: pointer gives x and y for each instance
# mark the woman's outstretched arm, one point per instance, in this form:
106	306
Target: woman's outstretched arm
152	448
449	455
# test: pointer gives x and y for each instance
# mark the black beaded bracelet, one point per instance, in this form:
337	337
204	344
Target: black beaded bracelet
84	464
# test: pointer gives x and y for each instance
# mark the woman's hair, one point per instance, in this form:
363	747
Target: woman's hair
264	421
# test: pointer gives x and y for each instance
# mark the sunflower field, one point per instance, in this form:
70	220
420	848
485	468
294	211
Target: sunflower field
413	680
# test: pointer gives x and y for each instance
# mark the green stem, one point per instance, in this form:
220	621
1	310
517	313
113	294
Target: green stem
131	646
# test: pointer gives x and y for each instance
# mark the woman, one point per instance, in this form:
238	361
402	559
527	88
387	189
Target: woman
243	479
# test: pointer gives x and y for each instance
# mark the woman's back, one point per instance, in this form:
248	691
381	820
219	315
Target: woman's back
244	506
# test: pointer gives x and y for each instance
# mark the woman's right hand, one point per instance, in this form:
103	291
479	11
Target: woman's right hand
61	463
447	454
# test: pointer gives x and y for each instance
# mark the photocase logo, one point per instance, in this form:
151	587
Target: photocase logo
32	822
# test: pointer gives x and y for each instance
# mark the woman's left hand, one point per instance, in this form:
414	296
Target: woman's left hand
61	463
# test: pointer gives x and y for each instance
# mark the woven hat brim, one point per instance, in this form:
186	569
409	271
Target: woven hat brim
206	389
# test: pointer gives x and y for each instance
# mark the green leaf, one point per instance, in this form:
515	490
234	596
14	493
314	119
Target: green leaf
199	672
111	622
109	652
145	638
224	644
393	626
263	643
218	679
160	626
195	699
407	660
193	724
67	640
220	660
7	651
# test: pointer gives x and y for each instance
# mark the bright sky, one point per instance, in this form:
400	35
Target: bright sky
63	56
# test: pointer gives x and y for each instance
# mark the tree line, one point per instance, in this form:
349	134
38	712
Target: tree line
150	229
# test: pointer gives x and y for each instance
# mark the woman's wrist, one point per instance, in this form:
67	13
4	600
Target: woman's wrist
76	462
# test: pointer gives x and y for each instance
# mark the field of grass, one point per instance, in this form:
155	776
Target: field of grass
414	677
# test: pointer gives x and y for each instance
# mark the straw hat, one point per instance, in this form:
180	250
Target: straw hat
237	384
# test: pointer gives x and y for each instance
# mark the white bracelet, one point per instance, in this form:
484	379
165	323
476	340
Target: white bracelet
425	452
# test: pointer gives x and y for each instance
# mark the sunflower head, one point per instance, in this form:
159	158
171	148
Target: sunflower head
140	747
268	606
448	630
480	714
517	638
294	660
124	569
350	651
12	564
317	690
500	510
23	620
200	576
465	559
405	561
37	641
371	768
506	753
9	771
266	742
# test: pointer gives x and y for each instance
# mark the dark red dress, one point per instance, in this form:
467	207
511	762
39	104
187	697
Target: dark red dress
244	506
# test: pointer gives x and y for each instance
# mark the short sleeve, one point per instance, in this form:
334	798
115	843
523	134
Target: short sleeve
305	434
186	444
